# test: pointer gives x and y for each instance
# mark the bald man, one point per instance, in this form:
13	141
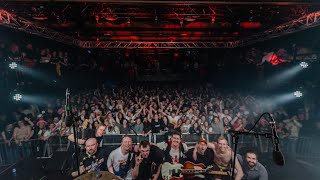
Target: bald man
120	160
92	159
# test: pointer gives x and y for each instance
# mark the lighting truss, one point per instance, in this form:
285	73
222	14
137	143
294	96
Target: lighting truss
12	21
163	45
9	20
197	2
302	23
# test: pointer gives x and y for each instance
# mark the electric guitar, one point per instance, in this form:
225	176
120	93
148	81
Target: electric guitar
178	171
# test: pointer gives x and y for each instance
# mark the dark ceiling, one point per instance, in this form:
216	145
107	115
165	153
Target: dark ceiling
125	21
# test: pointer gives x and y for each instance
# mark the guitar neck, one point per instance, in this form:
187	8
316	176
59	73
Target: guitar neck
192	171
224	173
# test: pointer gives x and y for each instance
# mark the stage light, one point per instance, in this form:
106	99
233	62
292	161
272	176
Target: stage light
213	19
297	94
13	65
17	97
304	64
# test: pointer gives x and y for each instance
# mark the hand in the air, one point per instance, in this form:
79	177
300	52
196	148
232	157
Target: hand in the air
138	159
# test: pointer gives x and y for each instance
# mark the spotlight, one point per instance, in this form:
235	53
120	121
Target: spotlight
17	97
297	94
13	65
181	22
213	19
304	64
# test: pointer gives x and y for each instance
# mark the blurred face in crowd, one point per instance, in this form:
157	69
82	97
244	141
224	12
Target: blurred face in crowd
195	118
156	117
222	145
226	111
100	131
63	125
144	151
225	121
126	144
195	125
165	119
106	122
56	120
96	124
138	121
20	123
41	125
51	126
251	159
216	120
83	112
91	146
145	119
176	139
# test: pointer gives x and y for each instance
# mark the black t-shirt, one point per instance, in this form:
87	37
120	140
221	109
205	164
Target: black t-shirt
97	161
149	166
206	159
156	126
147	127
167	127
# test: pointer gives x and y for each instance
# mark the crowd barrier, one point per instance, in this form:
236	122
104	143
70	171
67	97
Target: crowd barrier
11	153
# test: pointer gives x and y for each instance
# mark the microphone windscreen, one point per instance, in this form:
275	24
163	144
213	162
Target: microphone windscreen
278	158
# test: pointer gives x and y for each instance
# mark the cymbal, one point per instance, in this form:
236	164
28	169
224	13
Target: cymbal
93	176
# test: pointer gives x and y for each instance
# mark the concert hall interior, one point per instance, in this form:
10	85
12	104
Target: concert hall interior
160	89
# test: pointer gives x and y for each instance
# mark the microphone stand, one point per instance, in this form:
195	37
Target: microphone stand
235	140
70	117
131	128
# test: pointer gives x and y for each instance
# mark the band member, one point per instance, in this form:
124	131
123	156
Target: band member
92	159
120	159
200	154
174	150
223	158
148	162
89	133
252	169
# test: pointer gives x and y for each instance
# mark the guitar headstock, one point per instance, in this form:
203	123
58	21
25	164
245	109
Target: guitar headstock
209	167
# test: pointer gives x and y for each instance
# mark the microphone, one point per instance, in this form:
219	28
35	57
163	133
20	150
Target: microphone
277	155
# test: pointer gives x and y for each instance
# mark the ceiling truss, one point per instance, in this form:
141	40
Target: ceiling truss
159	45
10	20
302	23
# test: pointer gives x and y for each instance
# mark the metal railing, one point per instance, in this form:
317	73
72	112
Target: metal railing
11	153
